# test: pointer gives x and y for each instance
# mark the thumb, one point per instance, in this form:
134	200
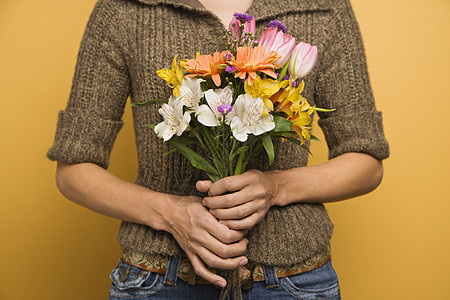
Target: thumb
203	185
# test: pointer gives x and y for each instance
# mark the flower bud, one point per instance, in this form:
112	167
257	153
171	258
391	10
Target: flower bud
303	59
282	43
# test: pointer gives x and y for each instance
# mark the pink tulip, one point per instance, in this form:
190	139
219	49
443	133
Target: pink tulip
249	25
303	59
282	43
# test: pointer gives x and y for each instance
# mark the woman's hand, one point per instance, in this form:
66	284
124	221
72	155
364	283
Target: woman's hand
241	201
252	194
204	239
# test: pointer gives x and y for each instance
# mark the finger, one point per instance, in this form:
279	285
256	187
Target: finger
244	224
230	184
227	200
215	261
203	185
202	271
240	211
219	231
224	250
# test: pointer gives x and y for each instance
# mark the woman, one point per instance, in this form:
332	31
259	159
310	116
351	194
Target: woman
268	223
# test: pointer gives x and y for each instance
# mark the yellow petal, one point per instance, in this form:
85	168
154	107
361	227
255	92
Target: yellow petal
174	63
183	63
176	91
301	86
268	104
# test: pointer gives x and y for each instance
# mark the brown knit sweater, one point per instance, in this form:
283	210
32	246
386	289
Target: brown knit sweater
127	41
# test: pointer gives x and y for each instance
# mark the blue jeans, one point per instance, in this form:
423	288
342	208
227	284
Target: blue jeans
321	283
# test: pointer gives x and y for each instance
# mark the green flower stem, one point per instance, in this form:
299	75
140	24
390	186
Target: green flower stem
239	164
208	140
284	70
199	138
231	157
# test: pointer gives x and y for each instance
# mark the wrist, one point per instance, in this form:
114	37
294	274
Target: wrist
277	180
160	210
287	183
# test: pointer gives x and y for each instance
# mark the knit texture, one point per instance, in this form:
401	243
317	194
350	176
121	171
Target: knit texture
127	41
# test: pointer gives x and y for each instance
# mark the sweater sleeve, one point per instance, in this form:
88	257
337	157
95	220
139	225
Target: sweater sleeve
343	84
87	128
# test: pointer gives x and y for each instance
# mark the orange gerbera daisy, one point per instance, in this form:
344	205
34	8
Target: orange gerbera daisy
207	65
251	60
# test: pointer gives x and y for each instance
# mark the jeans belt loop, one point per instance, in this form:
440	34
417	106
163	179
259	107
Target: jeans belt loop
270	276
172	270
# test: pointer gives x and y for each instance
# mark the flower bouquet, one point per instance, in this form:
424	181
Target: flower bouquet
232	104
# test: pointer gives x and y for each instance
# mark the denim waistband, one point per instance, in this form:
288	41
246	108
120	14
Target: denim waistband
171	276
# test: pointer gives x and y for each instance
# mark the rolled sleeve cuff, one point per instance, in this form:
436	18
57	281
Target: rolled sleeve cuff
84	138
361	132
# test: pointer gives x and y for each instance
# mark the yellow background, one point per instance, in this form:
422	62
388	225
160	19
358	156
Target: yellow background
391	244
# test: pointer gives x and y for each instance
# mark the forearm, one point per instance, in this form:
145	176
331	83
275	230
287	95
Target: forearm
95	188
343	177
197	232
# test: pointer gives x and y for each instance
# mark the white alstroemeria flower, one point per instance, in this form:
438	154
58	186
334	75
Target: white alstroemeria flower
175	122
209	115
190	93
246	118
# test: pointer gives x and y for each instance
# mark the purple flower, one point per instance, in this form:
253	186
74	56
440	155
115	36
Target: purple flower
244	17
286	77
294	83
230	69
241	28
228	56
277	24
224	108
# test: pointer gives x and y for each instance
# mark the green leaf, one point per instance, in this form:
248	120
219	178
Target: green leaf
315	138
213	178
194	158
140	104
281	124
295	141
240	150
186	140
268	145
170	152
323	109
306	148
209	140
282	133
151	126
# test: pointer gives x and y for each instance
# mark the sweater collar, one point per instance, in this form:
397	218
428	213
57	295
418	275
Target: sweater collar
258	9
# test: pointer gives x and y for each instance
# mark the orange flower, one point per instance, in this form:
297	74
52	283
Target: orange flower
251	60
207	65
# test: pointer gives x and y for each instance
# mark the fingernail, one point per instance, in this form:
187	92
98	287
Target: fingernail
243	262
221	283
198	185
